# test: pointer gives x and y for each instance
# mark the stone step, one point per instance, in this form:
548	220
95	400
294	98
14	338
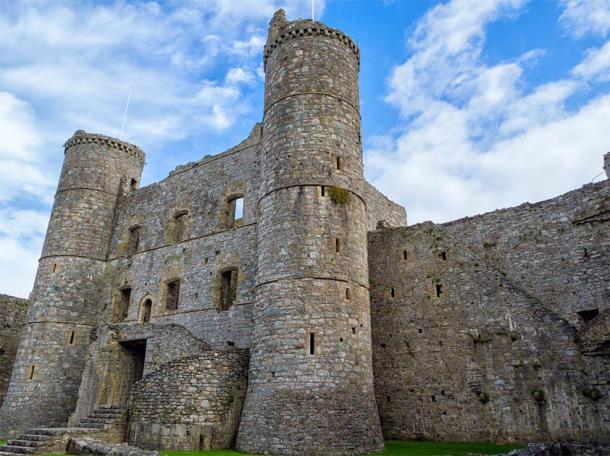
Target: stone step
25	443
89	426
33	437
93	420
111	407
17	449
56	431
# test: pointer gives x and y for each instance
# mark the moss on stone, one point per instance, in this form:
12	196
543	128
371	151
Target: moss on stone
339	195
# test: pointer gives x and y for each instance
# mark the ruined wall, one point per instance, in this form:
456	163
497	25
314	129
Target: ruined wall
191	403
381	210
476	334
12	319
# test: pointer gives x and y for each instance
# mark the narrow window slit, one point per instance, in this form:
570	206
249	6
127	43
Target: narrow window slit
322	191
32	369
72	338
439	290
338	163
404	255
312	343
348	294
392	292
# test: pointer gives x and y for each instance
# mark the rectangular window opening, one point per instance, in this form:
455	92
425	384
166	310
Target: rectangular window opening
134	240
322	191
348	294
392	292
32	369
72	338
235	212
124	304
338	245
173	295
338	163
228	288
180	227
312	343
404	255
54	267
443	256
439	290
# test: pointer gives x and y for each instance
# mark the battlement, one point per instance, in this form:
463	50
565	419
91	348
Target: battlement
282	31
82	137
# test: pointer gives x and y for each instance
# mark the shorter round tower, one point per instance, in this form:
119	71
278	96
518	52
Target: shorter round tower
65	300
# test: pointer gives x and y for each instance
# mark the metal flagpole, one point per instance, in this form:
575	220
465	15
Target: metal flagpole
125	113
313	10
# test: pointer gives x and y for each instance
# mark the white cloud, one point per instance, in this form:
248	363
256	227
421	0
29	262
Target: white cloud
474	136
584	17
596	64
67	65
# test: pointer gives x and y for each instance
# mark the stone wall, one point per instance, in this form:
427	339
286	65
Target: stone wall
382	211
476	327
12	319
191	403
209	246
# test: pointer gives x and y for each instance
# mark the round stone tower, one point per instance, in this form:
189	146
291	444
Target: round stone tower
65	300
311	382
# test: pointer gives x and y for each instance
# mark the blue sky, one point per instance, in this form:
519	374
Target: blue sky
467	105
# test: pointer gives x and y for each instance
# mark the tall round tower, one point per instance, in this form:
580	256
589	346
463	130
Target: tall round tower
66	296
311	382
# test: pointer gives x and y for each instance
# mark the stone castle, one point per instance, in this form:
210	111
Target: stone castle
270	299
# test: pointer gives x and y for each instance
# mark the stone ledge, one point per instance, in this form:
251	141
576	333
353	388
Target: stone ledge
98	447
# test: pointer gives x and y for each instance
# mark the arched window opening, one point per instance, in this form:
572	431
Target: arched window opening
145	311
172	295
134	240
228	288
133	185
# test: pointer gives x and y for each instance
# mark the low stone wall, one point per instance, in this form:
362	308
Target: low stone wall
191	403
86	445
562	449
12	319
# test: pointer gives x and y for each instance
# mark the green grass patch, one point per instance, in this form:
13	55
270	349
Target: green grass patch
2	442
394	448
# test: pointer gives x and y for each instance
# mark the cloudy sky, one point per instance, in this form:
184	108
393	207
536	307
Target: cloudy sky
467	105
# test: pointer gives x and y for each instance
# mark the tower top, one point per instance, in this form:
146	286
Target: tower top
282	30
82	137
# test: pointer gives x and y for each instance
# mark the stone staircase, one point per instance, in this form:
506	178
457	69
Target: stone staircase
104	418
46	440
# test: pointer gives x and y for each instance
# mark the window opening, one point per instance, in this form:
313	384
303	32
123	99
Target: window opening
439	290
180	226
588	315
348	294
338	163
322	191
134	240
124	301
146	310
312	343
72	338
133	185
338	245
228	288
235	212
54	267
404	255
173	295
392	292
32	369
443	256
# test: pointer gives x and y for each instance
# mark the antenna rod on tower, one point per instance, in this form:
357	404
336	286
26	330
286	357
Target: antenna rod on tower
125	113
313	10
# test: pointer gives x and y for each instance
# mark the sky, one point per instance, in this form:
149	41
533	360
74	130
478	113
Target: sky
467	105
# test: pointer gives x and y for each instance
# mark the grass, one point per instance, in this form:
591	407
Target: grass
394	448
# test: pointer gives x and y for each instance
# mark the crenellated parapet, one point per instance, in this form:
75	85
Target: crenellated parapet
302	28
82	137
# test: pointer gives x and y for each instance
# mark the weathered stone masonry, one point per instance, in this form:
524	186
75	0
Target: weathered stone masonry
171	307
479	325
12	319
